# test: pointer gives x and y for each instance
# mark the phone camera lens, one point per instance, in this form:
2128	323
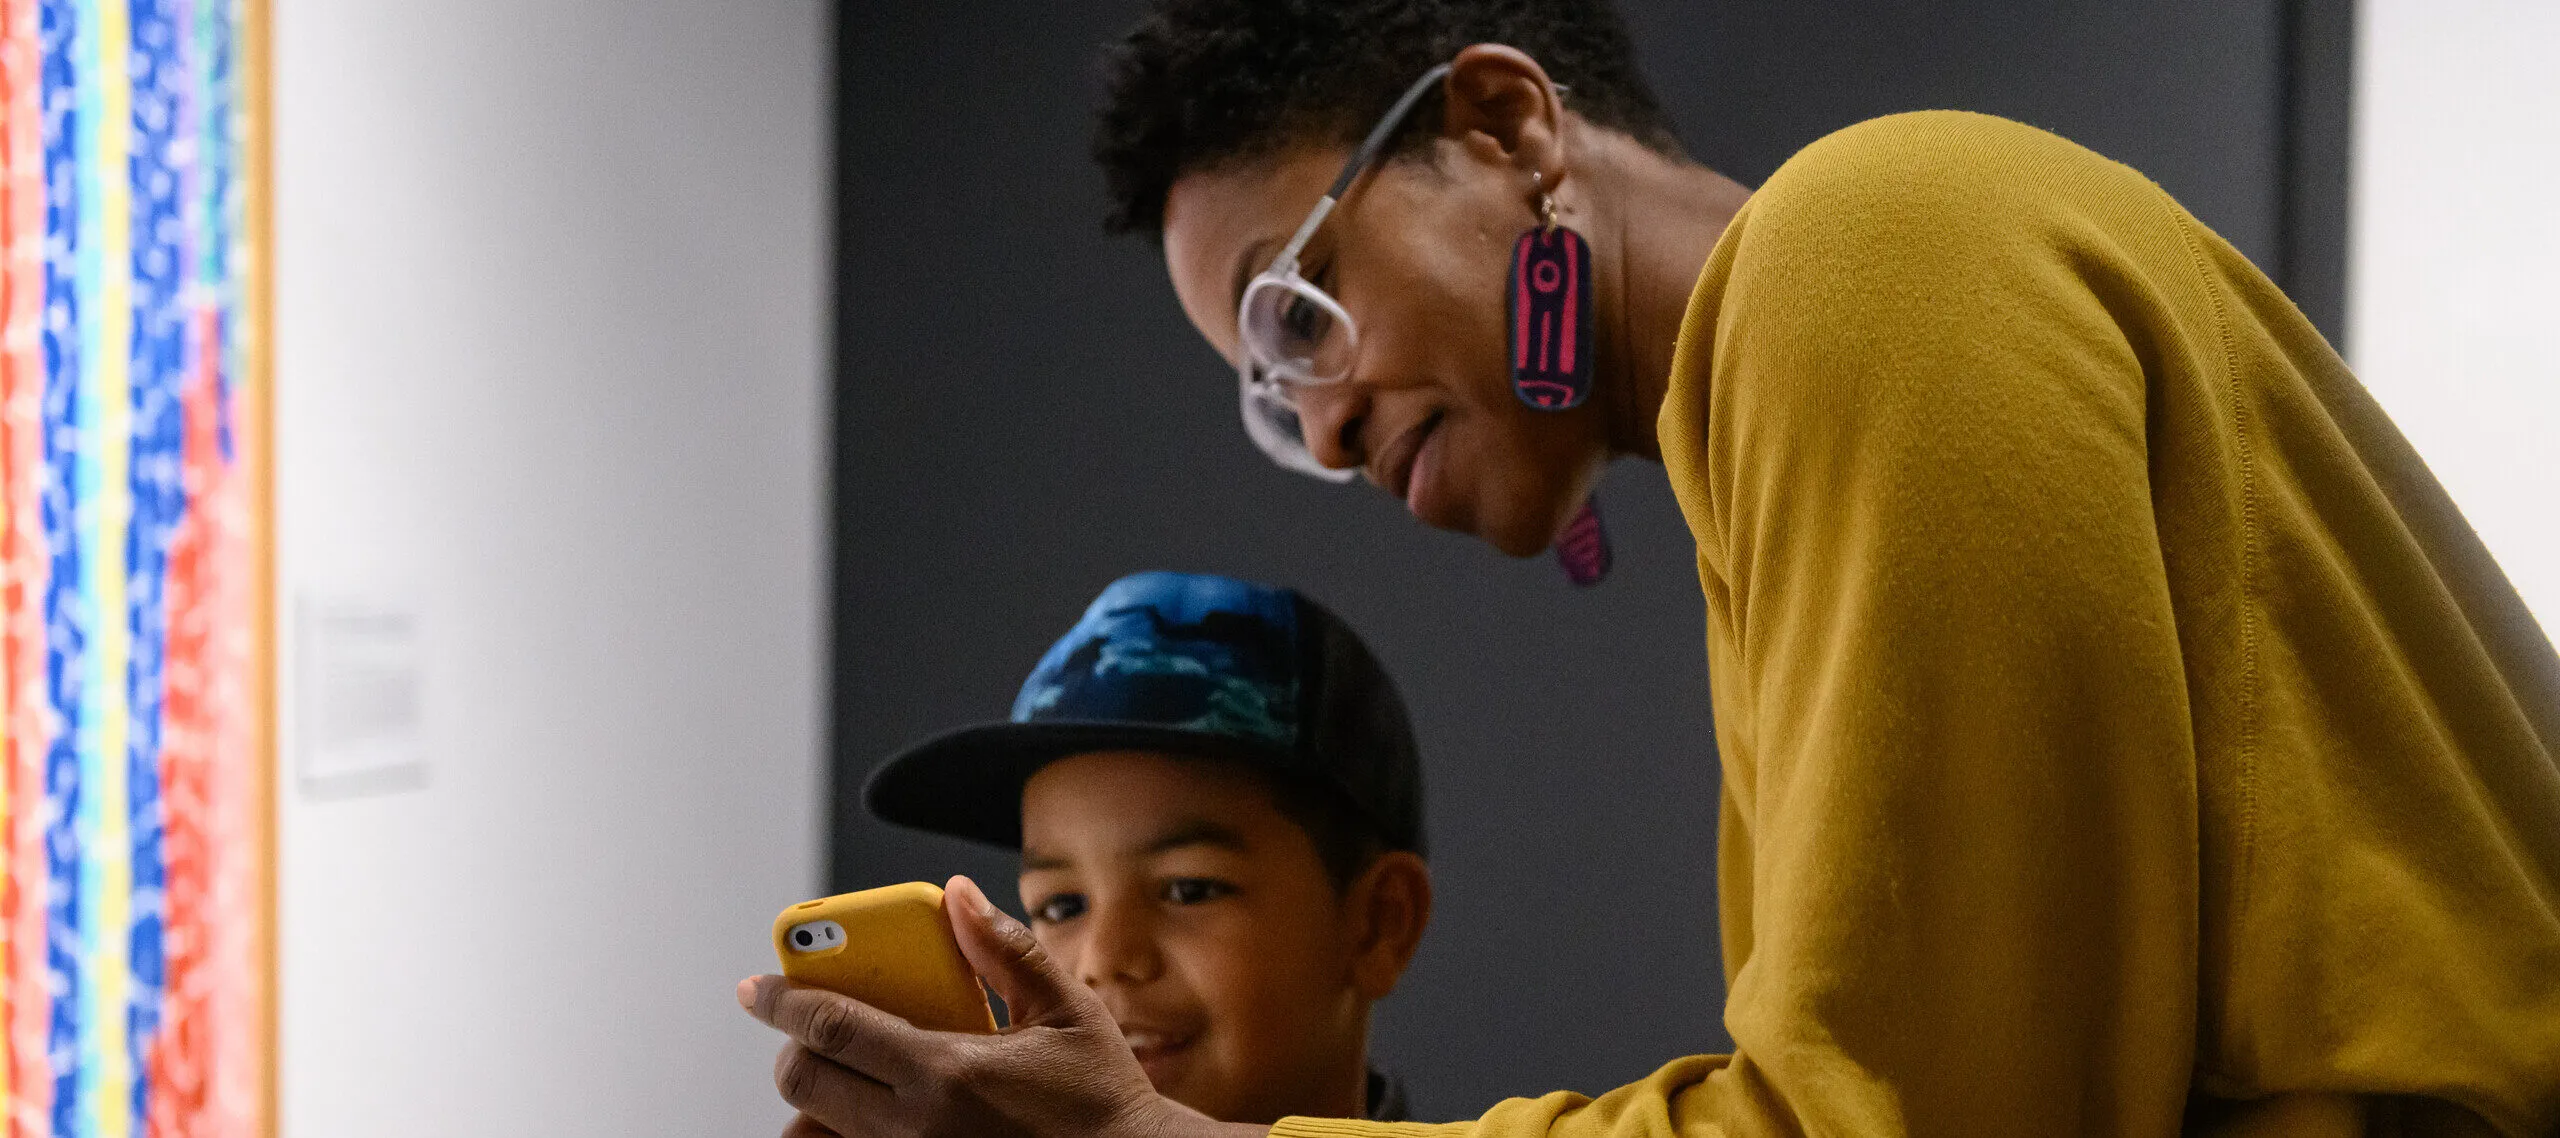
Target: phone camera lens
803	939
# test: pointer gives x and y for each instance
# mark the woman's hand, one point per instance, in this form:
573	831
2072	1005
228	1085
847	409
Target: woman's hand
854	1071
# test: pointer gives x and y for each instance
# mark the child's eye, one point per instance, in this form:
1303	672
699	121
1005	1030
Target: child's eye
1062	907
1195	890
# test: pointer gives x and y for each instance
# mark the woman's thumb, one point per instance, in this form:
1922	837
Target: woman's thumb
1010	960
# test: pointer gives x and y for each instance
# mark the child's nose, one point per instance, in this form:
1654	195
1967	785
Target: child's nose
1120	948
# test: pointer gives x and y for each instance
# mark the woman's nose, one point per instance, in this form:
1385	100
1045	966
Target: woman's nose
1330	417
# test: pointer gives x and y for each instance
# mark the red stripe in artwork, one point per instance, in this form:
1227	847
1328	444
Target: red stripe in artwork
22	561
180	1063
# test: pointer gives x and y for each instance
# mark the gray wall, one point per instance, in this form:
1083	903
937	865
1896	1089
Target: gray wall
551	318
1023	415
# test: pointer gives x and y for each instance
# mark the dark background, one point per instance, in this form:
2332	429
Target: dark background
1022	415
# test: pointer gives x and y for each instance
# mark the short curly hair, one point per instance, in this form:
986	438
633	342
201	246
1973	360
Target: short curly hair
1201	82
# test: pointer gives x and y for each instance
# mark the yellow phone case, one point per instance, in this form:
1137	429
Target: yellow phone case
895	953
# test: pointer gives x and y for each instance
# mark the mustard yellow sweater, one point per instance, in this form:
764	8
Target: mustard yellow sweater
2122	732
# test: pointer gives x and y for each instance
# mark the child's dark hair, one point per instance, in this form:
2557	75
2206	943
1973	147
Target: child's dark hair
1345	839
1199	82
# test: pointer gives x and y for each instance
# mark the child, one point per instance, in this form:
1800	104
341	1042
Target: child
1219	808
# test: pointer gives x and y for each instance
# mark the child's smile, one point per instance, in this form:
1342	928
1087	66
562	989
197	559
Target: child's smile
1165	1053
1180	892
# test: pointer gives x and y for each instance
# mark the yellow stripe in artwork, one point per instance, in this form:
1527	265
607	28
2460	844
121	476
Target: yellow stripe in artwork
107	1085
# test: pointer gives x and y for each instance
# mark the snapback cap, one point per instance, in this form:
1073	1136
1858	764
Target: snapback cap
1189	664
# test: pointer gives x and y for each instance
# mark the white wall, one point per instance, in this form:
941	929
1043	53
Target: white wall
2454	271
549	370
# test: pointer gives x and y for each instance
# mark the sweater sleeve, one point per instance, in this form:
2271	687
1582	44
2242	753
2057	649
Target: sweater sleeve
1948	682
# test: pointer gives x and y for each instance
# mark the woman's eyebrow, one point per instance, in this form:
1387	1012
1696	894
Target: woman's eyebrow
1035	860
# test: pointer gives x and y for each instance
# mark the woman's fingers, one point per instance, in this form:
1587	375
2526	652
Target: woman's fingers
832	1099
841	1029
1071	1076
1003	953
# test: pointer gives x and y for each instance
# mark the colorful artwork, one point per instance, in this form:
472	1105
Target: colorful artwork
135	875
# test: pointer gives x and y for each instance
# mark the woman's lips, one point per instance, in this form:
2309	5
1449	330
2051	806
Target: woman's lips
1404	473
1422	481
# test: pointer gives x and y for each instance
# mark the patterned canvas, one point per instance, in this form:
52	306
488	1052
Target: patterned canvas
134	877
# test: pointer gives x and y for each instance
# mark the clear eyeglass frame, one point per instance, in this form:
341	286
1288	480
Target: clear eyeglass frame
1291	332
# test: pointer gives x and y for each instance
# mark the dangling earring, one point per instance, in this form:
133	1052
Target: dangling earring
1550	330
1550	300
1583	552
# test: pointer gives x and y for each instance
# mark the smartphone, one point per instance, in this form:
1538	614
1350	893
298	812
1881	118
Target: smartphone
890	948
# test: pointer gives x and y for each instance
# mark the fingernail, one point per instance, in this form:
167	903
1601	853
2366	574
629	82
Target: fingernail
978	899
747	993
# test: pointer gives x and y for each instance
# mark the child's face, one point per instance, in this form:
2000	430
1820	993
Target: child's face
1203	916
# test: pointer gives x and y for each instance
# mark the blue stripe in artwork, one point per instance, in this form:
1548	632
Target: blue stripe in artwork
216	21
157	169
66	624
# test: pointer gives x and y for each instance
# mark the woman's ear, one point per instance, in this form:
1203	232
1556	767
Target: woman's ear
1391	904
1502	109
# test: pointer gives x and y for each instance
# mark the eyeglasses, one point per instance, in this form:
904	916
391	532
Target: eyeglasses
1295	334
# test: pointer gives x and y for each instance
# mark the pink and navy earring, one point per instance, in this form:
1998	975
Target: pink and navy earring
1583	552
1550	300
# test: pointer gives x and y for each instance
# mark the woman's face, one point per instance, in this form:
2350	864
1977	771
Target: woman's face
1416	253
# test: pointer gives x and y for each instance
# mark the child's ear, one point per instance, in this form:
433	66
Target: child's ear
1391	905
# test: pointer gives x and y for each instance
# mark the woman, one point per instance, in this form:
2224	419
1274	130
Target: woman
2122	732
